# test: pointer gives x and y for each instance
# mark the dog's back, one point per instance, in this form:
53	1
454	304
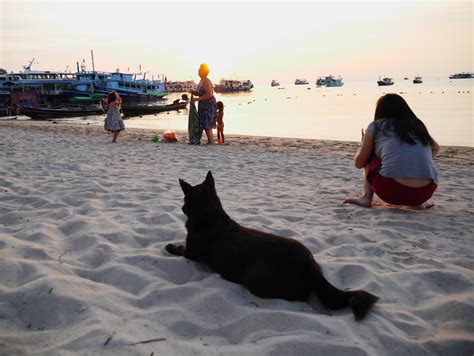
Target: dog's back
269	266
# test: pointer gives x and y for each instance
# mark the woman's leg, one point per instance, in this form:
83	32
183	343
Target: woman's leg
366	199
114	139
210	137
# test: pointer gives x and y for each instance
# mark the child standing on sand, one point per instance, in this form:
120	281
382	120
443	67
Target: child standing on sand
114	121
220	122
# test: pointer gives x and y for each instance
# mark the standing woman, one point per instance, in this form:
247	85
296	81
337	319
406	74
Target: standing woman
114	122
397	156
207	107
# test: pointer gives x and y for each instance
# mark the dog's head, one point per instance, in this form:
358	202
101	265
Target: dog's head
200	200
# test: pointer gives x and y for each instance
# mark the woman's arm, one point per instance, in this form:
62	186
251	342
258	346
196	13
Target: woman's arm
434	147
209	92
365	150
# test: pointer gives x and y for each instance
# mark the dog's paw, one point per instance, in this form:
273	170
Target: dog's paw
176	250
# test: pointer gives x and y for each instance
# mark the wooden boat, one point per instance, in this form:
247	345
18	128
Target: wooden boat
58	113
137	110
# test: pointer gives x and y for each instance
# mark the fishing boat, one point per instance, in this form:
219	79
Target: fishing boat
301	82
329	81
463	75
130	110
58	113
417	80
275	83
126	84
44	82
230	86
385	81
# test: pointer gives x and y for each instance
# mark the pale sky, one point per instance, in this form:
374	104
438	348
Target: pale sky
246	40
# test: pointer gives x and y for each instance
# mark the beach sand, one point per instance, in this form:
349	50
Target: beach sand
84	223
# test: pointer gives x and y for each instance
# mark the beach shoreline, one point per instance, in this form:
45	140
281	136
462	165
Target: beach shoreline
84	224
461	155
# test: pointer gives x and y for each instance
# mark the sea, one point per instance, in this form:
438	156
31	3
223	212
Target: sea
338	113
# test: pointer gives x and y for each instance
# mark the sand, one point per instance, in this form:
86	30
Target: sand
84	223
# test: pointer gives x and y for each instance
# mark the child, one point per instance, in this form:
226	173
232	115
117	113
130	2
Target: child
220	122
114	121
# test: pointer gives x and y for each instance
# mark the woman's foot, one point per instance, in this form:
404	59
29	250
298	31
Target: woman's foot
425	205
364	201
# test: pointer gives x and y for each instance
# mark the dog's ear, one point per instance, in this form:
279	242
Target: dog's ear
209	180
186	187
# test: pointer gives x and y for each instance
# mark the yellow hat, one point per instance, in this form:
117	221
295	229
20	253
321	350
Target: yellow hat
204	68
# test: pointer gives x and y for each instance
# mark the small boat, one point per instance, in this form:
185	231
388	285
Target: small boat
406	78
58	113
275	83
329	81
385	81
130	110
230	86
301	82
417	80
463	75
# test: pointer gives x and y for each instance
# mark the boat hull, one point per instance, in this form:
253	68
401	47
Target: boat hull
137	110
44	114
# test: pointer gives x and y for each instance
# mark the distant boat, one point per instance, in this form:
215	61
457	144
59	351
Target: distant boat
417	80
229	86
181	86
406	78
301	82
385	81
275	83
463	75
330	81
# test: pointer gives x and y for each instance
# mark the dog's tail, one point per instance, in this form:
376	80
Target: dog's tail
359	301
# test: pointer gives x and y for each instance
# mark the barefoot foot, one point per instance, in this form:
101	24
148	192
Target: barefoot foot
425	205
362	201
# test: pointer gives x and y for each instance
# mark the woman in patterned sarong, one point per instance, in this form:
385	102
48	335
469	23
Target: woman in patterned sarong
207	107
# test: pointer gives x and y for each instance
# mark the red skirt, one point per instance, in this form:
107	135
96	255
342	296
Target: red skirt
392	192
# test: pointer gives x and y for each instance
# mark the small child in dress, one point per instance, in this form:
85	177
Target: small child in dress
220	122
114	122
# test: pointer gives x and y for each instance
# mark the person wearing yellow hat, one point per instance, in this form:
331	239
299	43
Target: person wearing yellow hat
207	106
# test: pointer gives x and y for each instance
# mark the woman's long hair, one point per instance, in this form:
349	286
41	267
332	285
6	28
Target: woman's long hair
401	120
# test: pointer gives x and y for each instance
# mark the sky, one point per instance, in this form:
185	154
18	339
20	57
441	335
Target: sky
261	41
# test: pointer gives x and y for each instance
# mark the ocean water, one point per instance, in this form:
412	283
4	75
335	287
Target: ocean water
307	111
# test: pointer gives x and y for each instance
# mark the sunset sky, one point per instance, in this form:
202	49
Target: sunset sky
255	40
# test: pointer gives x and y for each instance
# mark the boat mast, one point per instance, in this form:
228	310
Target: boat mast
92	55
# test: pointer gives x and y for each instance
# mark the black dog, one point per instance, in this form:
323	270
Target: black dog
269	266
